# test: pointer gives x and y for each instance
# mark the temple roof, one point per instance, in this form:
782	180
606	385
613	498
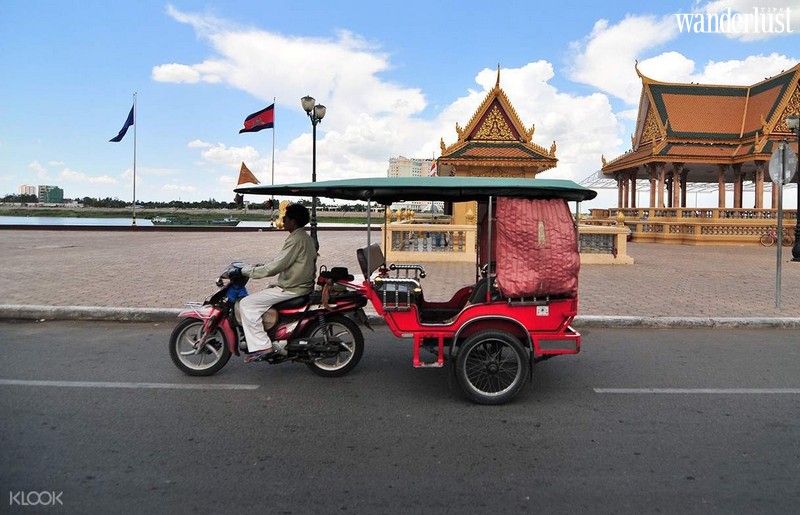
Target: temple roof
496	136
707	123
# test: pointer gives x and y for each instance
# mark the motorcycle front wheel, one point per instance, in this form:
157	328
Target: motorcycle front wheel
352	346
184	353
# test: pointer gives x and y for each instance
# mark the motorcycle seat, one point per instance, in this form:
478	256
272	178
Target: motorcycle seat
294	302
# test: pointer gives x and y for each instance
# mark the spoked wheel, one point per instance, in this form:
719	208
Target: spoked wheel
352	347
787	241
767	240
183	349
492	367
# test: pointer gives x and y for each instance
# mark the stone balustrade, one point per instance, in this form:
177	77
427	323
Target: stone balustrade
695	226
411	242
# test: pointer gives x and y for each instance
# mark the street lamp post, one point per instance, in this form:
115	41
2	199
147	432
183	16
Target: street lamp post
315	112
793	123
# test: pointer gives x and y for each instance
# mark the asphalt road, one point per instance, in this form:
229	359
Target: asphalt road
642	421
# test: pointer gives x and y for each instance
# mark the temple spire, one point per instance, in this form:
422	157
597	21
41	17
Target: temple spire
497	84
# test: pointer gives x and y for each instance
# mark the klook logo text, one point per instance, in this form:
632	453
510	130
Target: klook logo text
35	498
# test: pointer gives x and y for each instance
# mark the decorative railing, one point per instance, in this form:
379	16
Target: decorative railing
411	242
426	242
651	213
741	232
704	226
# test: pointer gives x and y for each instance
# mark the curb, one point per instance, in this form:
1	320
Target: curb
96	313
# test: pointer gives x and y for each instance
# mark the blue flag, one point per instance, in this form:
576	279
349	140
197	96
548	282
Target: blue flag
122	132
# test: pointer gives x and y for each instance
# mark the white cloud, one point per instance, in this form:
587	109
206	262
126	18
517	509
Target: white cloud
176	73
40	171
634	36
342	71
373	119
675	67
182	188
82	178
230	156
593	63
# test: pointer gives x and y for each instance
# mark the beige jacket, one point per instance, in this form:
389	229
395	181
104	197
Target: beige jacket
295	264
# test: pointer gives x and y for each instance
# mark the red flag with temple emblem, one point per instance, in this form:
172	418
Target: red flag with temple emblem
264	119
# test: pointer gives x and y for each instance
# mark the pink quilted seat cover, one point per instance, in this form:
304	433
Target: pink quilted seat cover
537	252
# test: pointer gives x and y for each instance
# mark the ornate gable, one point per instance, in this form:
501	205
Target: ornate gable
494	126
650	132
493	134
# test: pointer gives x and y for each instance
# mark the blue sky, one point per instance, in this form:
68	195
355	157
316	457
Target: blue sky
395	77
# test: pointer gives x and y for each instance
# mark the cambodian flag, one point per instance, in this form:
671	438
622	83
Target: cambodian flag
124	130
264	119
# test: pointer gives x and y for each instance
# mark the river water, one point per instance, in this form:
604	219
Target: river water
58	220
121	222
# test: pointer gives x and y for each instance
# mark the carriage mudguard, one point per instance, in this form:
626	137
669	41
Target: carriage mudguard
537	251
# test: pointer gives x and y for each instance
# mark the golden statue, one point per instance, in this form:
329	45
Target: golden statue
470	216
281	213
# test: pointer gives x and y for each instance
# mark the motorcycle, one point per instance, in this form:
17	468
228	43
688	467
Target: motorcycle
319	329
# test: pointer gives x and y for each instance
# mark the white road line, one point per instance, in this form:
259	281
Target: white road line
712	391
163	386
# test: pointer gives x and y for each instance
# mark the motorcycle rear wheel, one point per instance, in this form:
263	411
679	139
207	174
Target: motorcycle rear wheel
352	347
209	360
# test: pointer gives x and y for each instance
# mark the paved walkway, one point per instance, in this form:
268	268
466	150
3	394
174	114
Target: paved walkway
166	269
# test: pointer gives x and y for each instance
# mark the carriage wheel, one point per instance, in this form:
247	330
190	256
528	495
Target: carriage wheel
492	366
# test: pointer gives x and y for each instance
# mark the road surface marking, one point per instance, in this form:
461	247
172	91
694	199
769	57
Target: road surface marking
92	384
712	391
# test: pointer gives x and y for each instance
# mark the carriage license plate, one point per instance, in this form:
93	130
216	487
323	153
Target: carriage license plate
542	311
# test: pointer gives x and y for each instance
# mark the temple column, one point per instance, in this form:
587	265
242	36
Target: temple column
662	172
721	178
738	186
619	189
668	182
633	175
676	184
759	178
651	172
625	190
683	174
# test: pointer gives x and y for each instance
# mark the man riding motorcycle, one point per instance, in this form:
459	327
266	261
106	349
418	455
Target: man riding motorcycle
295	265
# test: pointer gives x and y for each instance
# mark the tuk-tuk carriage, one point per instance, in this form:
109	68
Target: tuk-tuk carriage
520	307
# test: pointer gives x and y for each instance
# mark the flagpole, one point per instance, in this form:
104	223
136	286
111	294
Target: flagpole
135	124
272	199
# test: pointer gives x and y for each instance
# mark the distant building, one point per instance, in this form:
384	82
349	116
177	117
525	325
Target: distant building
27	189
51	195
405	167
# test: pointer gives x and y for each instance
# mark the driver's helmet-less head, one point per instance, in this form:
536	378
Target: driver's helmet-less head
298	213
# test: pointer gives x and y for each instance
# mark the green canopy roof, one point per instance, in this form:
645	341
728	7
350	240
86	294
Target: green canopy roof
386	190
